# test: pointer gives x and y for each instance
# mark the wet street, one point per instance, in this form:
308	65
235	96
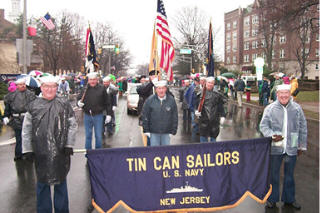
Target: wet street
18	178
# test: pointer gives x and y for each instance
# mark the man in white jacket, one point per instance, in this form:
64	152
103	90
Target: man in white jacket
284	121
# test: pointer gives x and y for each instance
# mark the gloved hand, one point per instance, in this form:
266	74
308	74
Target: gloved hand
222	119
29	156
80	103
277	138
114	108
147	134
5	120
108	119
68	151
197	113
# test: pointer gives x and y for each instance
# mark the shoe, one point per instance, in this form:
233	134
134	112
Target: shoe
294	205
271	205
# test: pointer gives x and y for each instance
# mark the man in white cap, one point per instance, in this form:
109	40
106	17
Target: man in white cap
212	112
48	135
160	116
64	88
93	100
284	121
15	108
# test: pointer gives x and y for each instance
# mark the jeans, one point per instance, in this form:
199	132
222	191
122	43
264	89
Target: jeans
195	128
240	94
265	99
18	149
44	202
288	191
204	139
159	139
96	122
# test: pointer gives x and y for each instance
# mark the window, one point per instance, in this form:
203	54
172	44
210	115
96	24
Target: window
247	34
264	56
228	37
234	59
255	19
282	55
273	54
228	60
234	35
317	66
254	44
246	58
263	44
317	37
235	25
246	45
306	50
228	26
254	32
317	52
234	47
247	21
254	56
282	39
307	39
228	48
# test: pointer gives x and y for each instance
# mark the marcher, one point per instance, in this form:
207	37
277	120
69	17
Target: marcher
15	108
239	85
285	122
212	114
112	92
160	116
48	135
265	90
186	111
294	87
64	88
248	92
276	82
93	99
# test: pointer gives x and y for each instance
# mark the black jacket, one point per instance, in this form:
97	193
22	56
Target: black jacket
160	117
95	100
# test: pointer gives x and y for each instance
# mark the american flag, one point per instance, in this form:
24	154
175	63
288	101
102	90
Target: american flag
167	49
46	20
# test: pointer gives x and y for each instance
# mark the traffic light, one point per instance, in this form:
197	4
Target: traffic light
117	49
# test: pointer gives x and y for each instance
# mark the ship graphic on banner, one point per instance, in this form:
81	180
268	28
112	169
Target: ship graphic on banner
186	188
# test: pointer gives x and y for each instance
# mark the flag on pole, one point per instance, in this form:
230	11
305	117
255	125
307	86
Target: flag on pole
90	52
47	21
167	49
210	61
154	59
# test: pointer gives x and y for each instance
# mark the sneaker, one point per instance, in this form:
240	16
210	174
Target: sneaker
271	205
294	205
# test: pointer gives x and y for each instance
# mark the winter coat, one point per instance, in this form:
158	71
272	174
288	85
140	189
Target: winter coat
212	110
160	116
239	85
49	127
272	124
16	106
144	91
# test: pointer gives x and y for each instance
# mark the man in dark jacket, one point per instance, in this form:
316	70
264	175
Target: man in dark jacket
160	116
239	85
93	99
48	135
212	113
15	108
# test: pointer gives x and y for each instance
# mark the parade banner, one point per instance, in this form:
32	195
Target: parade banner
195	177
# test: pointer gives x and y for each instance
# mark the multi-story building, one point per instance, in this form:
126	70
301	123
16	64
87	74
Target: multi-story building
244	43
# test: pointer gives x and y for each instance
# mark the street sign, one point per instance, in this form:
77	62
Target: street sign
259	62
185	51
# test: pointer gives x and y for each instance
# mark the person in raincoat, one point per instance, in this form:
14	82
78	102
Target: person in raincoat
15	108
48	132
294	87
212	113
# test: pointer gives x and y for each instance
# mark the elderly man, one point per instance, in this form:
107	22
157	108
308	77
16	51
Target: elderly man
212	113
93	99
160	116
15	108
48	135
285	122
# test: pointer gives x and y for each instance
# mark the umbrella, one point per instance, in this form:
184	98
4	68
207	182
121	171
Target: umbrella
30	81
35	73
222	78
228	75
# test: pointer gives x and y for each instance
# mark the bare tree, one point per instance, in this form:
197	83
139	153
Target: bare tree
193	25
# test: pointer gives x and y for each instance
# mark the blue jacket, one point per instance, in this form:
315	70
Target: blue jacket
272	124
160	117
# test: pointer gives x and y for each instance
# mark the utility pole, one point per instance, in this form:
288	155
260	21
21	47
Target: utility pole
24	38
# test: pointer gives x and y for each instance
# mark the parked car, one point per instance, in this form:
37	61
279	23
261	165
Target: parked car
132	98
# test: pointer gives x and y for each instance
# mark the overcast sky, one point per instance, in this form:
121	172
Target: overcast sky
133	19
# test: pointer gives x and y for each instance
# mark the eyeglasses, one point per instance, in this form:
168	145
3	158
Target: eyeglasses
49	86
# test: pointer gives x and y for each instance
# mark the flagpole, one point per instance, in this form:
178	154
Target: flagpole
24	38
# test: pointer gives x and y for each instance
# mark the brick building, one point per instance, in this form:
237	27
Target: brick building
244	43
